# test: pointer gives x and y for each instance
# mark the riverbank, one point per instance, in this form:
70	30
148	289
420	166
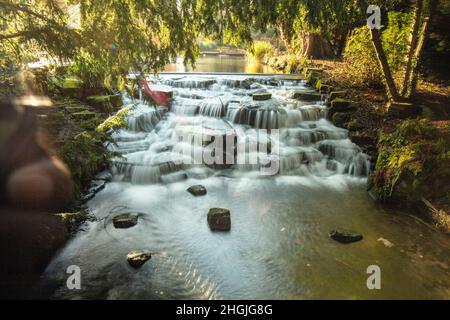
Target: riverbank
402	175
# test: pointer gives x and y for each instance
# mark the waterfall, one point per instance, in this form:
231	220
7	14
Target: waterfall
207	112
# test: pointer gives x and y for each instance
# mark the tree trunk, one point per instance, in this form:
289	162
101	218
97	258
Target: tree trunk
411	87
286	37
412	84
391	90
412	47
314	47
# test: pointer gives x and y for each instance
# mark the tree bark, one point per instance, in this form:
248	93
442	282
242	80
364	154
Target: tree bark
411	88
391	89
412	47
412	84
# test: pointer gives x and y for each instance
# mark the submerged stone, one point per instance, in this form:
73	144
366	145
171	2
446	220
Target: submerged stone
344	236
125	220
197	190
219	219
136	259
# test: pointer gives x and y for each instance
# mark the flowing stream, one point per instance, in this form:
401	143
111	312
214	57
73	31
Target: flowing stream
278	246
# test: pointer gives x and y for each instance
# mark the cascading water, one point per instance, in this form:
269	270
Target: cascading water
278	245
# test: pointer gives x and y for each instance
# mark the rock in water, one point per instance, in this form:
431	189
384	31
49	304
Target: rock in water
197	190
219	219
261	96
386	242
137	258
343	236
125	220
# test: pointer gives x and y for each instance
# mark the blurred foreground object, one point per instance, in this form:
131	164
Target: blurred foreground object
33	183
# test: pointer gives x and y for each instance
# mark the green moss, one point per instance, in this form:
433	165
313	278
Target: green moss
85	155
72	83
412	163
116	121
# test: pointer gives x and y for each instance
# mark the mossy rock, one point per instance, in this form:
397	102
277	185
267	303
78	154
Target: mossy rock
312	78
403	110
336	94
115	121
324	88
355	125
73	220
262	96
84	115
339	119
341	105
316	70
105	103
75	109
116	100
306	96
71	87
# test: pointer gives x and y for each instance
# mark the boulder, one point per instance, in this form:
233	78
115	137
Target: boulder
105	103
197	190
261	96
340	105
219	219
306	96
105	175
136	259
84	115
403	110
336	94
125	220
323	87
74	220
94	188
72	87
344	236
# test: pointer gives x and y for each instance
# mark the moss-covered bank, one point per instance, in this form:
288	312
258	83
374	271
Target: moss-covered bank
410	156
413	168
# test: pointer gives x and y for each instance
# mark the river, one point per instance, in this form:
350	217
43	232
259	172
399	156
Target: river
278	246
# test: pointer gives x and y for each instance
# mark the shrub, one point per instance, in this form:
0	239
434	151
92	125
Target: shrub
262	50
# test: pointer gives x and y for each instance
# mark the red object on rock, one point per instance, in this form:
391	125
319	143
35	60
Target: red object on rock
161	95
